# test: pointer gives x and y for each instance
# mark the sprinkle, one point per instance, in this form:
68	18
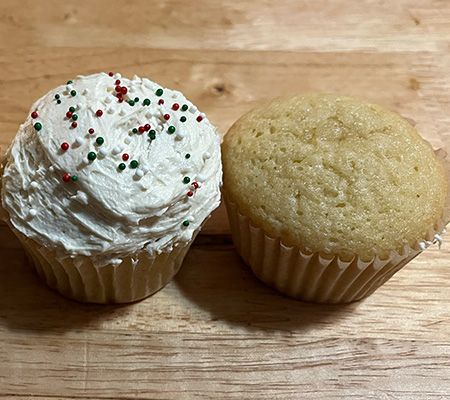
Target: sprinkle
180	135
185	222
187	156
73	93
159	92
139	173
183	119
175	106
74	178
199	118
121	166
34	115
146	102
193	109
166	117
171	129
422	246
57	96
116	150
91	130
72	110
148	115
69	82
117	75
64	146
103	151
69	114
91	156
438	239
110	110
190	193
69	88
99	140
107	100
141	129
110	74
152	134
123	90
79	140
58	101
51	168
127	140
32	212
125	157
186	179
184	107
161	102
66	177
99	113
195	185
74	117
131	103
134	164
117	82
34	184
136	99
147	127
74	124
38	126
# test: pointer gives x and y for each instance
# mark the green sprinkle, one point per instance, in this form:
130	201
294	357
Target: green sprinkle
74	178
57	96
159	92
184	107
38	126
152	134
186	179
183	119
72	109
187	156
73	93
131	103
185	222
100	140
58	101
135	130
171	129
122	166
74	117
91	156
146	102
69	82
134	164
136	99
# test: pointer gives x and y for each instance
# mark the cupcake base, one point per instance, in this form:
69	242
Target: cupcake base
79	279
311	277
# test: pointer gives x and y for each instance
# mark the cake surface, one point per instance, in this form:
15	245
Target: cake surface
334	175
106	166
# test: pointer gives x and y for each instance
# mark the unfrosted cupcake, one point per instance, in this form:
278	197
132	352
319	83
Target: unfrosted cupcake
107	183
328	196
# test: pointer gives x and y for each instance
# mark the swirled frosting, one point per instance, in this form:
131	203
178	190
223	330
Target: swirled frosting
106	166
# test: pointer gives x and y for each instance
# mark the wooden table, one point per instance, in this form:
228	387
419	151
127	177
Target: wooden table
215	332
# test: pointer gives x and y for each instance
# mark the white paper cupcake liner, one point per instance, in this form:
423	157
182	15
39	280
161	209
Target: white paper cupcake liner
312	277
79	279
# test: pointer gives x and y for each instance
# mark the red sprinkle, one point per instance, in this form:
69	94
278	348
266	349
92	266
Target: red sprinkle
161	101
199	118
117	88
147	127
190	193
141	129
117	81
66	177
34	115
91	130
69	114
65	146
123	90
166	117
175	106
120	99
125	157
99	113
195	184
74	124
110	74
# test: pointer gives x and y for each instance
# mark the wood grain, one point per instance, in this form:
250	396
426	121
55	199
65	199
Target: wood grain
215	332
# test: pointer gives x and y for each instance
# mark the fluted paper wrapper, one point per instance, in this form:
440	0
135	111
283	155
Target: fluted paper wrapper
311	277
79	279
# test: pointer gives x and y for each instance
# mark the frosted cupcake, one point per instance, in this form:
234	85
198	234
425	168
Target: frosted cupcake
328	196
107	183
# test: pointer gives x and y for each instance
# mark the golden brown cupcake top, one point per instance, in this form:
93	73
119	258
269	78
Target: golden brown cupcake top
335	175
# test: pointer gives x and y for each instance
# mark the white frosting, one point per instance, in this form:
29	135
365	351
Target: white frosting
108	213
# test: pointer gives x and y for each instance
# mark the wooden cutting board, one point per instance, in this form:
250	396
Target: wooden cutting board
215	332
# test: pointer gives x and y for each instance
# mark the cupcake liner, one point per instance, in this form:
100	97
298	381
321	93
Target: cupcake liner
313	277
137	277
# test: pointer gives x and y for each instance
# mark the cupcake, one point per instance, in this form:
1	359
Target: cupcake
107	183
328	196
